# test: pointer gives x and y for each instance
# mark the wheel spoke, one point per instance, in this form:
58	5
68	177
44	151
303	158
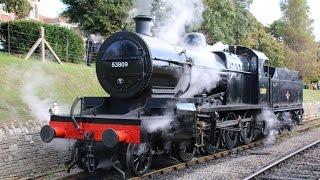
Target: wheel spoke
135	160
137	165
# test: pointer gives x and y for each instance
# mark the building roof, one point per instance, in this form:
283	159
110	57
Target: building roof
6	17
53	20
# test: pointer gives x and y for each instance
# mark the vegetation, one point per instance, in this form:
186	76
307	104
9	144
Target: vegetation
294	28
228	21
59	83
20	8
311	95
23	34
103	16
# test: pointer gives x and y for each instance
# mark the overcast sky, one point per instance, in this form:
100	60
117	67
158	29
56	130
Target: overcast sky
266	11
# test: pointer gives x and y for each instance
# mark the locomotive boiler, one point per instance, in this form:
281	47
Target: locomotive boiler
131	64
179	101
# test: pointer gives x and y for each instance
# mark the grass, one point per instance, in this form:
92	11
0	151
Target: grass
49	81
311	95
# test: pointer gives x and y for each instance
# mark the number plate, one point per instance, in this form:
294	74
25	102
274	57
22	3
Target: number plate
119	64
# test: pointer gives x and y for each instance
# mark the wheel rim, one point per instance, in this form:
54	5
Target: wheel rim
139	158
230	137
186	151
247	132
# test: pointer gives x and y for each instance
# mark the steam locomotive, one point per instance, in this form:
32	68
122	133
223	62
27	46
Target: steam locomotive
174	100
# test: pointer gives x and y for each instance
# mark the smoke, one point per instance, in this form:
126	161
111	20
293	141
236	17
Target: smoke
204	75
35	81
201	80
158	123
141	7
171	18
38	94
271	126
219	46
60	144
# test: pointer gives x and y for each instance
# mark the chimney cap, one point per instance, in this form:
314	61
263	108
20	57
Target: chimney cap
143	17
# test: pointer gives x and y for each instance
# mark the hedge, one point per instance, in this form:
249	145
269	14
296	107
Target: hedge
66	43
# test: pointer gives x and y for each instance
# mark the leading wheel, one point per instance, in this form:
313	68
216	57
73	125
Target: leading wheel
186	151
81	160
230	136
138	158
247	130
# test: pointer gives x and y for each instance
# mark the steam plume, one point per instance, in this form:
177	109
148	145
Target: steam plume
34	81
272	124
172	18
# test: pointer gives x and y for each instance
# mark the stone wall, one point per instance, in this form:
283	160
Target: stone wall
23	154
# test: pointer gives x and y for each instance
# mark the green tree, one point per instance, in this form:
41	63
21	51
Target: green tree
260	40
277	29
298	29
228	21
103	16
20	8
297	35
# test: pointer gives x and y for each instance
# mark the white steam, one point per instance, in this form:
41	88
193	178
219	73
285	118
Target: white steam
219	46
38	94
271	126
35	81
204	74
172	18
202	80
158	123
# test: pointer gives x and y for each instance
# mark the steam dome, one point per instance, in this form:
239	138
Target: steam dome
195	39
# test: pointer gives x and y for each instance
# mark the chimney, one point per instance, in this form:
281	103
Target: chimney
143	24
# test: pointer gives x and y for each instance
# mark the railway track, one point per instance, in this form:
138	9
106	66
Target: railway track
307	125
303	163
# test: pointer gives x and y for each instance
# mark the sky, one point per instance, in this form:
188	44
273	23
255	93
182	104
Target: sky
266	11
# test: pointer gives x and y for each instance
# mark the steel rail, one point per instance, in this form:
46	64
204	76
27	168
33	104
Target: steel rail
199	160
281	160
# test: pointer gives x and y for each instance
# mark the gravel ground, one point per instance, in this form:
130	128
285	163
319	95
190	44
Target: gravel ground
303	166
244	163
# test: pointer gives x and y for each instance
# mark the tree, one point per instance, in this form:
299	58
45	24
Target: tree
297	35
277	29
260	40
102	16
298	30
20	8
228	21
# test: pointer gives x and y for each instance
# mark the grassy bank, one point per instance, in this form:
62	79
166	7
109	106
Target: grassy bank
22	80
311	95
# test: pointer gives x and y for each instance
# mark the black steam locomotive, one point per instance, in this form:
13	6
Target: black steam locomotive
172	100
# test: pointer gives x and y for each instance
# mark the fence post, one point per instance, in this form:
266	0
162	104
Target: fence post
9	50
43	50
67	50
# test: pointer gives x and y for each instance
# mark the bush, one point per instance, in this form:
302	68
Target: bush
24	33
